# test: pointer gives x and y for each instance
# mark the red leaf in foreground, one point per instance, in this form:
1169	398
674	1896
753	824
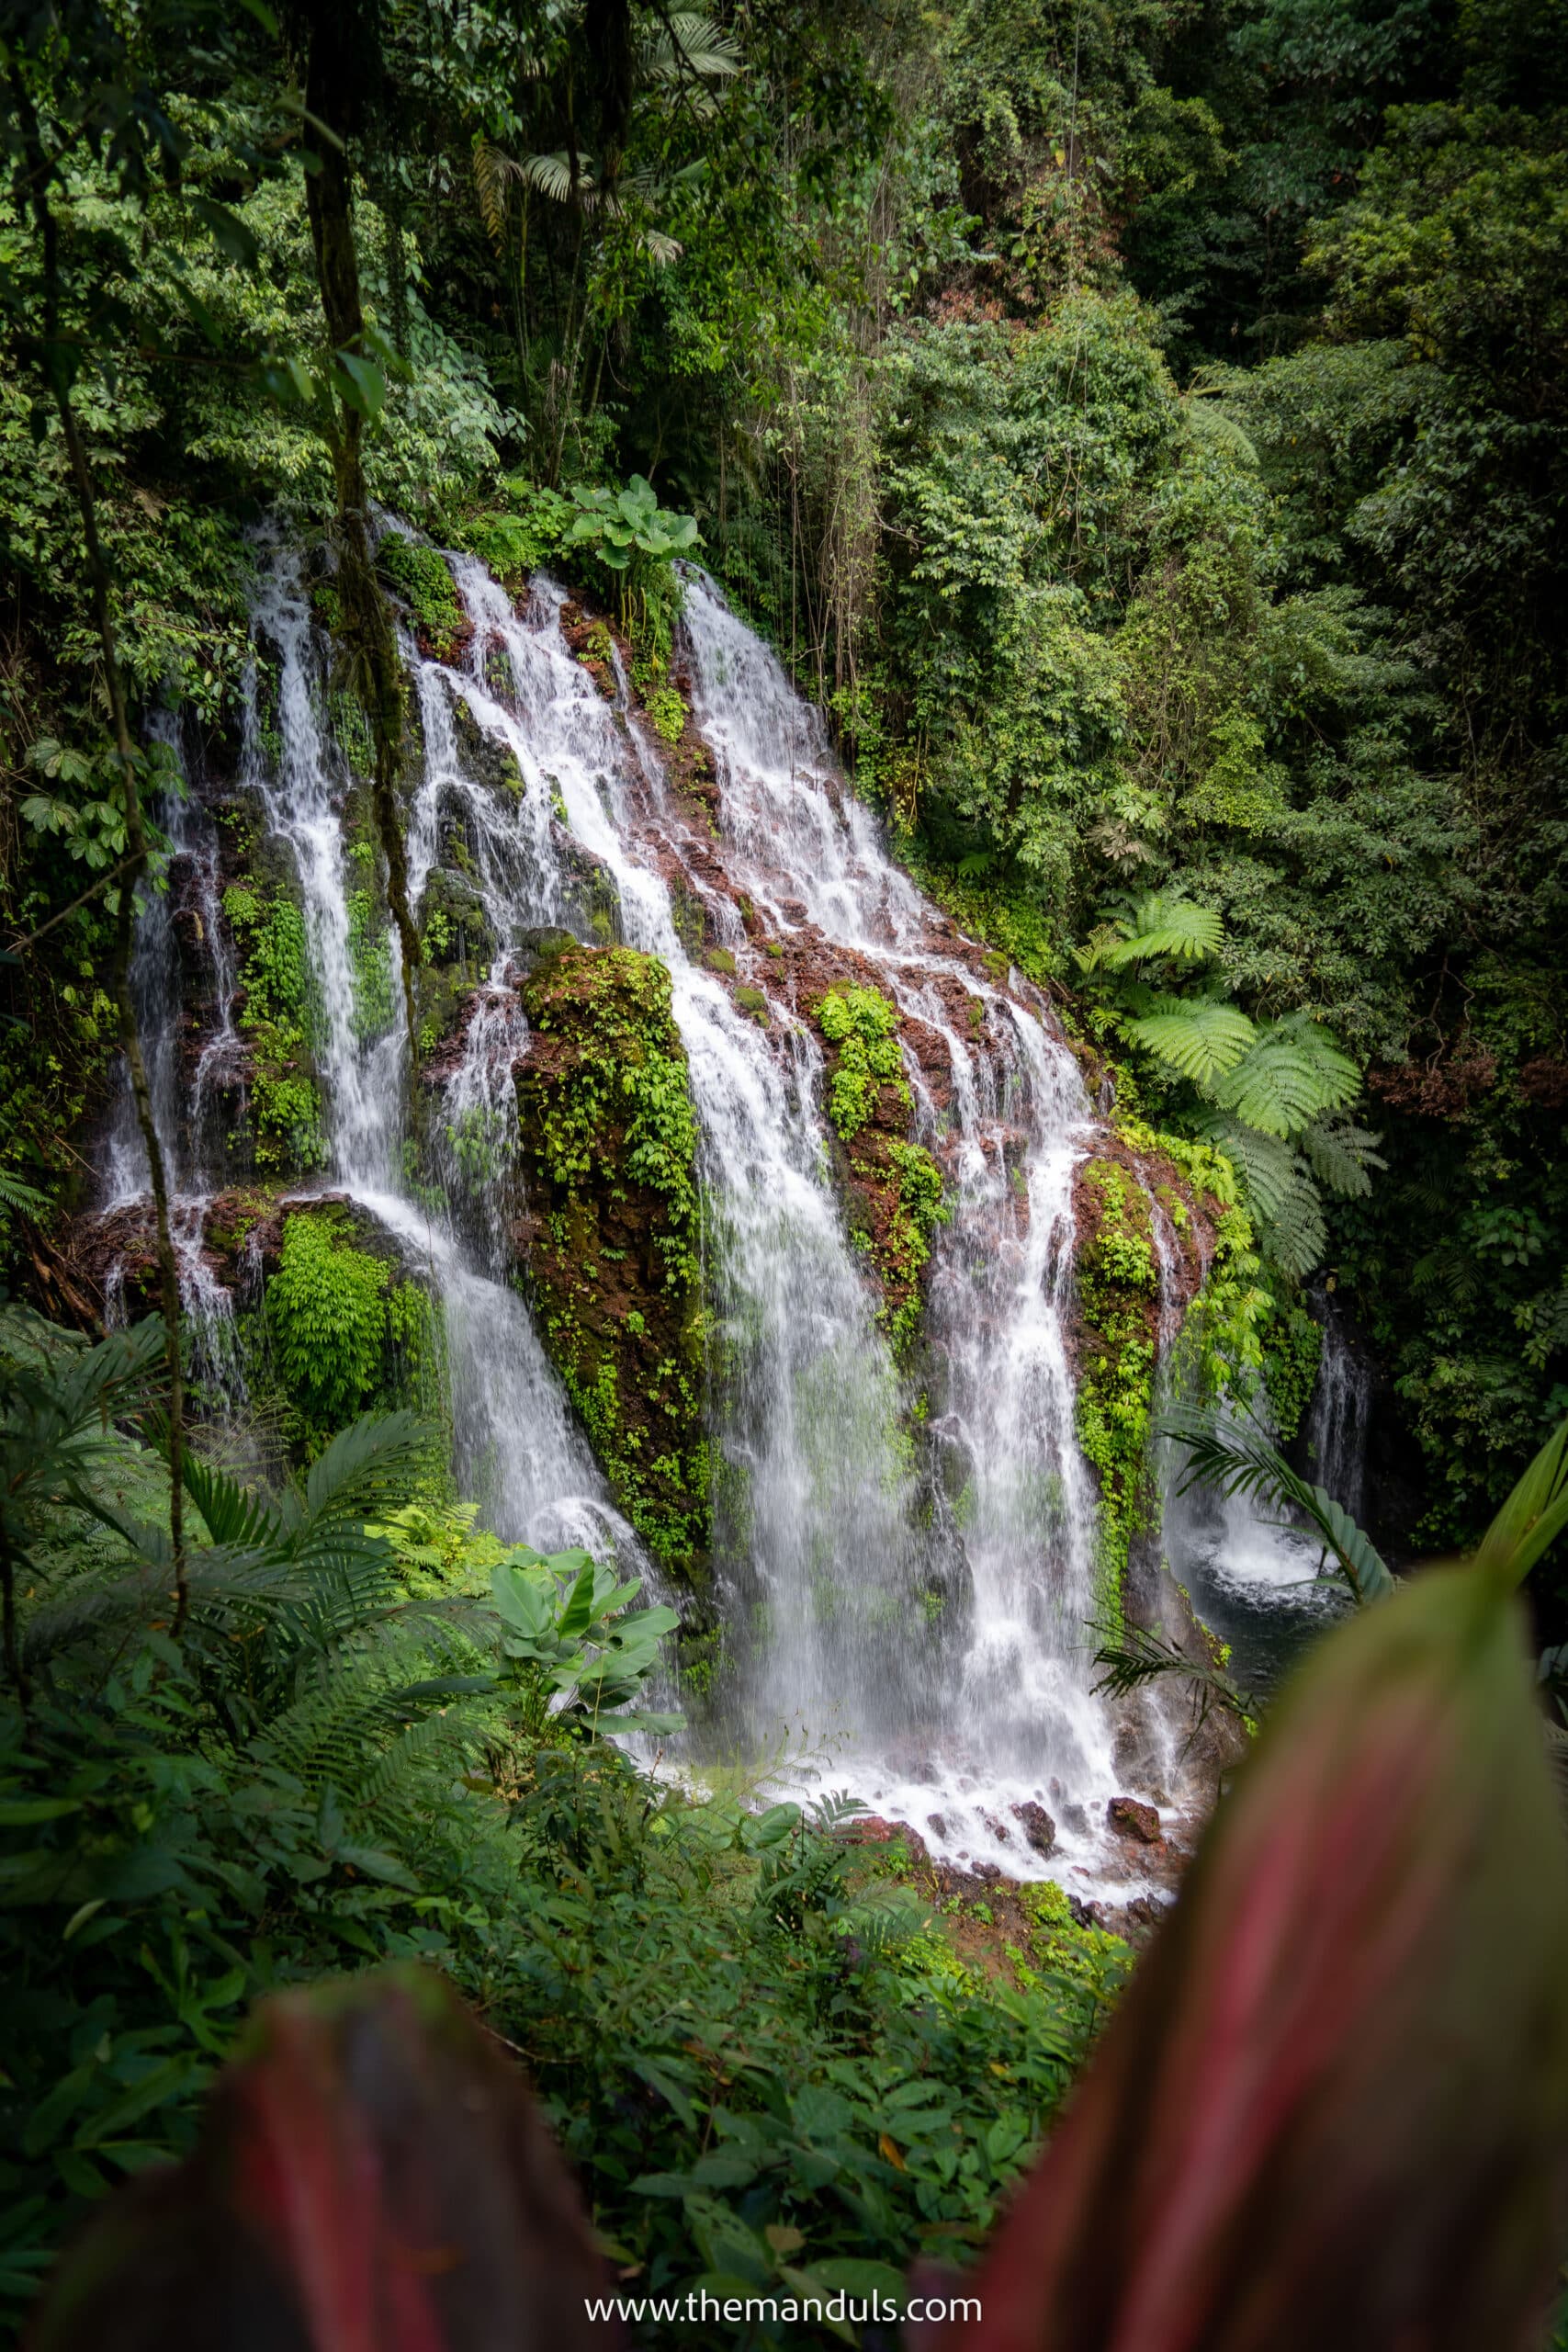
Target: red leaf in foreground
1332	2113
372	2177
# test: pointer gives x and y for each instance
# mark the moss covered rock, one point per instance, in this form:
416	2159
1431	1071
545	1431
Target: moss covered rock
611	1240
1116	1347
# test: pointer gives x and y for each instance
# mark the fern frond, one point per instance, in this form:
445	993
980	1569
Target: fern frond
1200	1036
1291	1073
1342	1157
1208	423
234	1515
1167	926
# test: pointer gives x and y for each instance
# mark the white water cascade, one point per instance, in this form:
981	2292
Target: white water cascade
905	1605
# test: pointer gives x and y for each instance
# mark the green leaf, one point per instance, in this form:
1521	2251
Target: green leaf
1533	1517
361	384
228	231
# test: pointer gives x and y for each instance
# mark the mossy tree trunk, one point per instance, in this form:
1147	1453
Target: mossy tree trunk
341	91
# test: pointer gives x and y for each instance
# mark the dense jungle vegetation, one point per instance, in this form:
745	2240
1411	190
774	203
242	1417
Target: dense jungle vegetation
1140	425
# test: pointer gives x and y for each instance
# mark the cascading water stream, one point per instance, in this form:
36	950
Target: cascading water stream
835	1545
189	1131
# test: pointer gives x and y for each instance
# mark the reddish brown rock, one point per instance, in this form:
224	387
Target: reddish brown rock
1131	1819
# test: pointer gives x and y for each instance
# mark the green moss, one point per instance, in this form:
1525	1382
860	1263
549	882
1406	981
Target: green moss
907	1244
609	1126
666	708
862	1028
1118	1294
422	579
278	1021
719	959
753	1001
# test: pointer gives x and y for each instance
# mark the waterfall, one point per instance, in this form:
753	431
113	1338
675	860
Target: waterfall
1336	1420
187	1105
904	1578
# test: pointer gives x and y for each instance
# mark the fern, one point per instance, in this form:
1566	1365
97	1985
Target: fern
1290	1073
1165	926
1200	1036
1342	1155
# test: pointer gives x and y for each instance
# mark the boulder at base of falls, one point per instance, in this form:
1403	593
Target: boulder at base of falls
1131	1819
610	1242
1039	1830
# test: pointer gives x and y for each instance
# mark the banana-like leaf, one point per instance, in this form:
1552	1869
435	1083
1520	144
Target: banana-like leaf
1197	1035
1533	1517
1331	2111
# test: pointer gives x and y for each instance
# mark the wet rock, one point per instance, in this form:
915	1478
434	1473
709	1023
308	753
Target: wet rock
874	1829
999	1829
1131	1819
1039	1830
936	1823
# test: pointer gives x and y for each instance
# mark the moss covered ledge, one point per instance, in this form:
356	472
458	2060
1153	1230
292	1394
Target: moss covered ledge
611	1239
1116	1348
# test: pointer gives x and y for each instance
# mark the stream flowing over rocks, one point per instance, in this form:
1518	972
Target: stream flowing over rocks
732	1331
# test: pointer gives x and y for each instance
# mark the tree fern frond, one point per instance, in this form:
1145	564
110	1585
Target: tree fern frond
1291	1073
1200	1036
1167	926
1215	426
1342	1157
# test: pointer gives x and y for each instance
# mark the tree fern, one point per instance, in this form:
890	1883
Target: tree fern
1290	1074
1202	1038
1342	1155
1165	925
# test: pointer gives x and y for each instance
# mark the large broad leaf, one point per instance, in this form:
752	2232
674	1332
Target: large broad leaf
1199	1036
525	1599
1534	1515
371	2173
1331	2112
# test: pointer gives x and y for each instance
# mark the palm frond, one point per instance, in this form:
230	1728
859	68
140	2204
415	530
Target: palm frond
1134	1655
232	1514
685	43
1243	1462
361	1463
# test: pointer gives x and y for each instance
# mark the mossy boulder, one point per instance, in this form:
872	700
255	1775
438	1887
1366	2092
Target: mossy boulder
611	1239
